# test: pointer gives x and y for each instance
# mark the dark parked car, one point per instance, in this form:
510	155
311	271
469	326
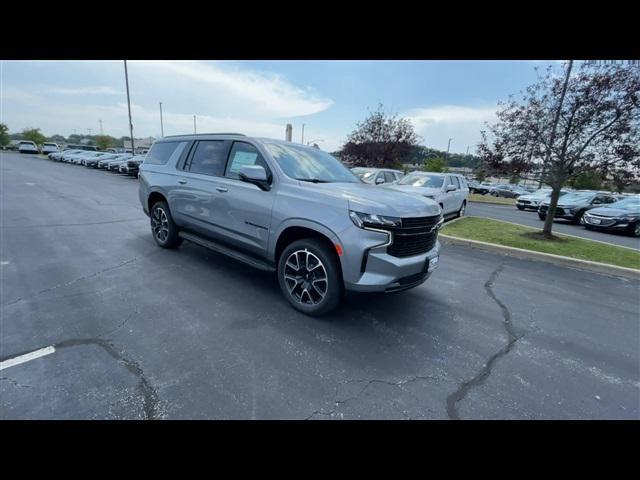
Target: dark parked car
477	187
133	165
621	216
573	205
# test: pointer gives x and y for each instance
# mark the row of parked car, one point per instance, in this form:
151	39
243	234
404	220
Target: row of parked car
595	210
114	162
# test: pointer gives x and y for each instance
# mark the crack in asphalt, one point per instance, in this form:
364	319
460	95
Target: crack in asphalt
148	392
122	324
83	277
483	374
337	402
15	383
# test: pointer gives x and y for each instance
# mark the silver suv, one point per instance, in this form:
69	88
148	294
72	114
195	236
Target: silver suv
291	209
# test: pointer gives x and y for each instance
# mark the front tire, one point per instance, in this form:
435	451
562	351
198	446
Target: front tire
520	207
309	276
635	230
163	228
542	216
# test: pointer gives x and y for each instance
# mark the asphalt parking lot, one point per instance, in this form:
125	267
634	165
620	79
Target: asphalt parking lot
141	332
510	213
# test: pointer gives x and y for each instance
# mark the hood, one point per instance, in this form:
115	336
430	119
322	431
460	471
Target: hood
366	198
529	196
612	212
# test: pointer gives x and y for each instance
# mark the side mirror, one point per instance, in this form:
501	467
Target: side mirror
450	188
379	180
256	175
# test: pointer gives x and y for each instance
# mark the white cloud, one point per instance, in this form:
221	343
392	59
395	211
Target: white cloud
266	94
460	123
89	90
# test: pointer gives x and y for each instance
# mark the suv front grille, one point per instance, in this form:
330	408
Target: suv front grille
416	236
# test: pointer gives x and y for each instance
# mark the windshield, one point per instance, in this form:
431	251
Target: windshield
422	180
365	175
632	204
576	198
309	164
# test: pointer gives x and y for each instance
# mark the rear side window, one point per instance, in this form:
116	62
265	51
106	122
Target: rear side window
161	153
209	158
243	154
389	177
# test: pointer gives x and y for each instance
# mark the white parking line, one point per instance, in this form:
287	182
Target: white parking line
27	357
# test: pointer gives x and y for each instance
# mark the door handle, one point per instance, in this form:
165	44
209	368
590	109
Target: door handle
182	182
222	189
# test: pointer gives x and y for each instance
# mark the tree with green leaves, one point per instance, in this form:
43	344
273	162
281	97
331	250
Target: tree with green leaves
436	164
104	141
34	135
4	135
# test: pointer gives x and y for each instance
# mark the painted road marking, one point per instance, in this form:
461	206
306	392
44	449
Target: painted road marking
27	357
4	262
30	184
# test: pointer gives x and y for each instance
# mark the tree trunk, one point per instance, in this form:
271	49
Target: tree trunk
548	223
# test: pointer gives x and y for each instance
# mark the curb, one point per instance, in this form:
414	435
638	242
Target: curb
492	203
559	234
544	257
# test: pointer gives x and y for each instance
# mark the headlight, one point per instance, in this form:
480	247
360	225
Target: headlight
363	220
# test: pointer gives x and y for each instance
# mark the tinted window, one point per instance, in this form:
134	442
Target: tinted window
455	181
209	157
389	177
243	154
162	152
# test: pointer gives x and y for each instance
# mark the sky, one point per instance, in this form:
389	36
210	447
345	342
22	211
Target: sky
443	99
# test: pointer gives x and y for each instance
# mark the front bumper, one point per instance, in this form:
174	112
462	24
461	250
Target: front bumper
607	223
368	267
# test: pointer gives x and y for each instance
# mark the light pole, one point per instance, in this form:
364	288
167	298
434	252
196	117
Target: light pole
194	124
302	141
101	132
447	156
126	78
161	125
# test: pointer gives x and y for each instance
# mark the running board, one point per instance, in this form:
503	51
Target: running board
229	252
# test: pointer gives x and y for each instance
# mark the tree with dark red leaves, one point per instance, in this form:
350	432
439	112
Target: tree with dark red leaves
565	125
381	141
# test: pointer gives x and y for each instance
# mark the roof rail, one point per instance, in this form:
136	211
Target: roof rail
204	134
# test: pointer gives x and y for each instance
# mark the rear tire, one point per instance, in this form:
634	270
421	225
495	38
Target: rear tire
635	230
520	207
542	216
309	276
463	208
163	228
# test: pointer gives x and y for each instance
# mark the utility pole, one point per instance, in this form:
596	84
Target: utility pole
126	78
194	124
161	126
101	132
302	141
447	155
288	132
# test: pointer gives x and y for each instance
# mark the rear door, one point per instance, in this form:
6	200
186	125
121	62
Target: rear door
196	198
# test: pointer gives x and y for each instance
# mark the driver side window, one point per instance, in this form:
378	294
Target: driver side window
243	154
